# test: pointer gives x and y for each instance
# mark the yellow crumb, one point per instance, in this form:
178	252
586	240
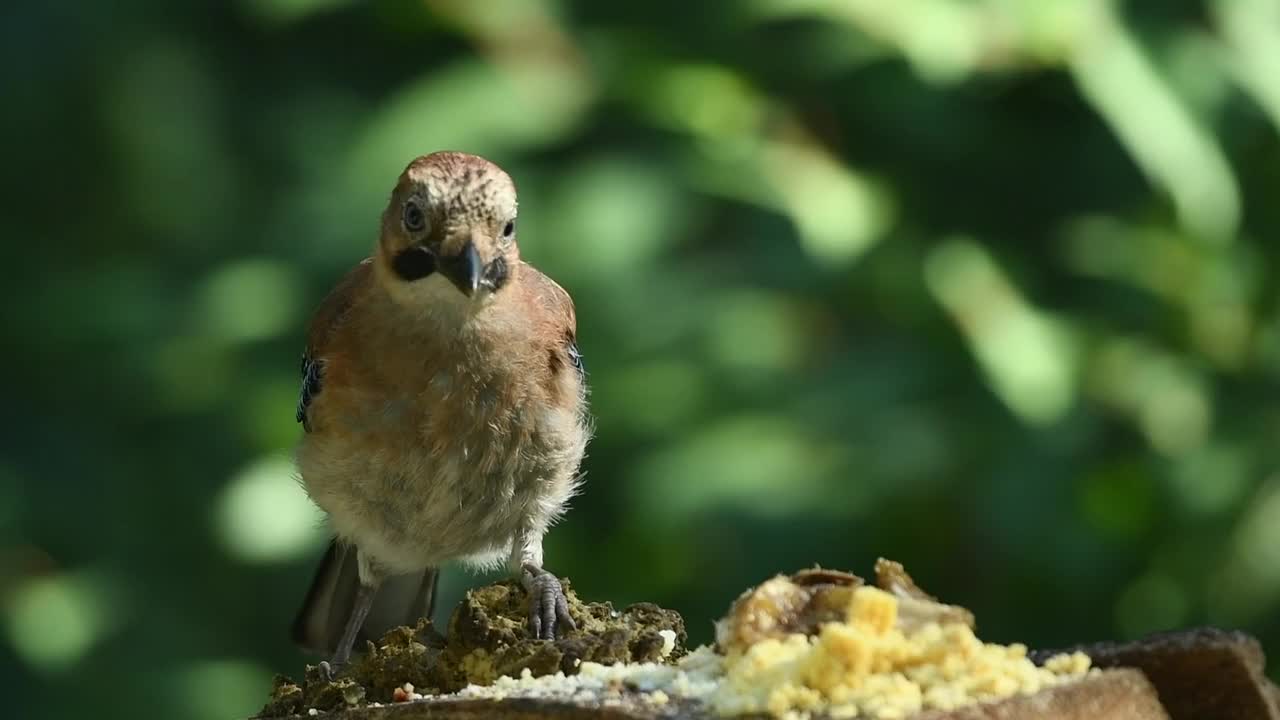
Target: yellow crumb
868	667
1076	663
657	697
873	609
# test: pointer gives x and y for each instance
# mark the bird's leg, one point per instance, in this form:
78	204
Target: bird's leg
424	600
359	611
548	607
369	582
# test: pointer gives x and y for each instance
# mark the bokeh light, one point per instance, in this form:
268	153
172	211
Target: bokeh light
264	515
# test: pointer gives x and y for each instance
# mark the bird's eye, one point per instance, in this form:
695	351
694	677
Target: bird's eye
414	219
508	229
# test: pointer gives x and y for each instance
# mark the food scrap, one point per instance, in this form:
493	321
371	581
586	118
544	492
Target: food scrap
893	652
817	643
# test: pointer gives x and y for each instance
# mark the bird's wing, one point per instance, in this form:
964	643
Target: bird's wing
324	322
560	319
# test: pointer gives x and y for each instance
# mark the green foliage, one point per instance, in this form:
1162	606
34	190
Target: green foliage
985	286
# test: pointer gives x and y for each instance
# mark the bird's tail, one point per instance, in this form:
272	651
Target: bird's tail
319	623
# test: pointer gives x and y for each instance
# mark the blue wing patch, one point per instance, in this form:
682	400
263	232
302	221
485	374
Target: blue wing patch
312	372
575	357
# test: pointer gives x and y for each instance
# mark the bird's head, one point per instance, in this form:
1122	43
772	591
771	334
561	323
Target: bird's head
449	230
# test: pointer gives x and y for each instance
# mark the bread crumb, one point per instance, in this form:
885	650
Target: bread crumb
668	642
1076	663
869	667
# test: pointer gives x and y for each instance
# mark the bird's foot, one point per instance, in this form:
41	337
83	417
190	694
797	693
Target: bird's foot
329	669
548	608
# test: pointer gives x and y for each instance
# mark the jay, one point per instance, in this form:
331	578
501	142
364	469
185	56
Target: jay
443	404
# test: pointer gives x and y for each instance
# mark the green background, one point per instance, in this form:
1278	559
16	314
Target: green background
985	286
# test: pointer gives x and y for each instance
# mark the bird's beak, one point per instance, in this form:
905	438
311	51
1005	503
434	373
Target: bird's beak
464	269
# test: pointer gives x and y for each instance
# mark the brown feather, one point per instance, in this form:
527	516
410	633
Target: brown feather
336	304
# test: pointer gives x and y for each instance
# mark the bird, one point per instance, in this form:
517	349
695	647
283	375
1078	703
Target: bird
443	406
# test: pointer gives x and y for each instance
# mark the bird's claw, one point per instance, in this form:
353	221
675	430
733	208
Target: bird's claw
548	607
329	669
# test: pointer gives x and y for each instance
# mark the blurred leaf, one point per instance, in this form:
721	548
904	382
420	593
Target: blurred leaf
251	299
1248	583
609	216
1252	30
1029	358
941	37
839	214
468	105
1164	140
760	464
1212	480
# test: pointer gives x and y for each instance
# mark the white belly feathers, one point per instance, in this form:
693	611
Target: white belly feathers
411	494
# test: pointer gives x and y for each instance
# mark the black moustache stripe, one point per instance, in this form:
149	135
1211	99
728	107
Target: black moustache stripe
495	276
413	264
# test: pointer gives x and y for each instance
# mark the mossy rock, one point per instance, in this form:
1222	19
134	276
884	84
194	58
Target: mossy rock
488	638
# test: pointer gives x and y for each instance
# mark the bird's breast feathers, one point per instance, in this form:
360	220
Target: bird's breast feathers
445	449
